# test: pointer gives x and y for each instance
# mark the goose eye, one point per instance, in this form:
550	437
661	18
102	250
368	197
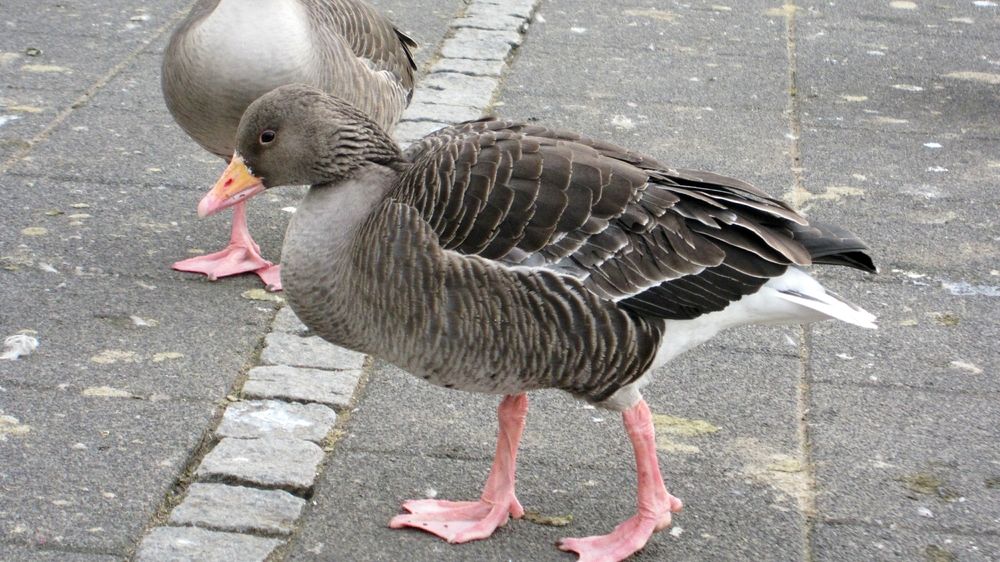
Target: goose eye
267	137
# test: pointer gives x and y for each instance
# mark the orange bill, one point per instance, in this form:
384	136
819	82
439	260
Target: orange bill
236	184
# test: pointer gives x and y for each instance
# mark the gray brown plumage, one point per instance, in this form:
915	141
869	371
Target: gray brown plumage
501	257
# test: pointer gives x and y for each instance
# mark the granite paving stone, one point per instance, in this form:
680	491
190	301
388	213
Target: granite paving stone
313	351
456	89
258	418
469	66
269	462
281	382
440	112
191	544
238	509
517	8
287	322
490	21
478	44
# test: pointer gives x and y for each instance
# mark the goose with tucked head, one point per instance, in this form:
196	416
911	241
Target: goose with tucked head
227	53
502	257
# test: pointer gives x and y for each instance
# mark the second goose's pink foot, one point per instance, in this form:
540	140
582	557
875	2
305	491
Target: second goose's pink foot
459	522
271	276
241	256
655	504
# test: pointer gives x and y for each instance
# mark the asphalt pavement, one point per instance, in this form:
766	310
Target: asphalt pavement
822	443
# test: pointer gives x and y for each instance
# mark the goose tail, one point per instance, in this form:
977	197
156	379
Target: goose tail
832	305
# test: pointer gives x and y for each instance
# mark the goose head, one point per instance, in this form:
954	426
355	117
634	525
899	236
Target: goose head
298	135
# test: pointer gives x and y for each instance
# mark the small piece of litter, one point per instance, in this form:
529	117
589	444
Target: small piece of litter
18	345
138	321
430	493
924	512
984	4
676	531
908	87
578	29
932	145
964	366
288	209
937	169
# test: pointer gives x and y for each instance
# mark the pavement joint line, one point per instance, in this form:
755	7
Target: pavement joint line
267	457
807	495
91	91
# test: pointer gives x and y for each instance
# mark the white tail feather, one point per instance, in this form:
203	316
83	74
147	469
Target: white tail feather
835	307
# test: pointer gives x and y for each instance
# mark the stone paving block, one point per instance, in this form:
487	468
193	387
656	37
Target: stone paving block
288	323
407	132
455	89
280	382
238	509
480	44
490	21
256	419
191	544
271	462
470	67
435	113
519	8
287	349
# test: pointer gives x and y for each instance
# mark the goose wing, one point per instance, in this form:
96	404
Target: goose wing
659	241
370	35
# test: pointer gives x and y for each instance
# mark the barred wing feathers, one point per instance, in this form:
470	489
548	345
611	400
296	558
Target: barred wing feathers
661	242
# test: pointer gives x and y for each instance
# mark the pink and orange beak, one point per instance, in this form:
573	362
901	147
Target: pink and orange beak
236	184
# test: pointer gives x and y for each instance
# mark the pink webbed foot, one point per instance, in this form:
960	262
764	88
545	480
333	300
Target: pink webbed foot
231	261
459	522
655	504
625	540
271	276
241	256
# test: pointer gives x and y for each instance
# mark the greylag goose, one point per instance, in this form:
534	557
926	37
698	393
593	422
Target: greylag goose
227	53
503	257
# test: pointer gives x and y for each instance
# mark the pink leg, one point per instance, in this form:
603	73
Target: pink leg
459	522
655	504
241	256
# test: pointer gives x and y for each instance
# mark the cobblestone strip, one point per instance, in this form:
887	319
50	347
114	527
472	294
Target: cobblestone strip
460	83
250	486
